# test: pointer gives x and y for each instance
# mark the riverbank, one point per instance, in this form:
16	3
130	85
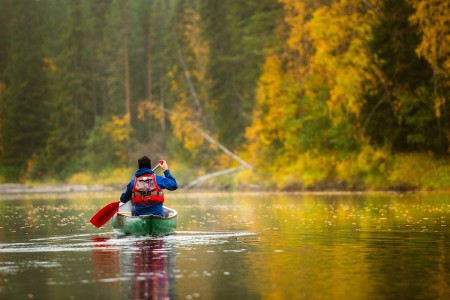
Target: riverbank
67	189
17	188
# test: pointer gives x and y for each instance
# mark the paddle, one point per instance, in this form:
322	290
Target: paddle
108	211
105	214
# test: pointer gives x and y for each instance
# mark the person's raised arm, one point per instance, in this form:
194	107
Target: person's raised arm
168	182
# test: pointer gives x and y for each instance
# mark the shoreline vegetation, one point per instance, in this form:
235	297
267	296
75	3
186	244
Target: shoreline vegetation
13	189
407	174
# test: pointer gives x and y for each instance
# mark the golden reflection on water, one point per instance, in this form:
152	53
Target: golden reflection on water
252	246
338	246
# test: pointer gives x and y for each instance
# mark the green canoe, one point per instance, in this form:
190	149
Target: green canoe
124	223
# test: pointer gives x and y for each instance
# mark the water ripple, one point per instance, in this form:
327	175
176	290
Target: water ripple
86	242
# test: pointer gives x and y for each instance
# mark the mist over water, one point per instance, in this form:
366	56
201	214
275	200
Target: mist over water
231	246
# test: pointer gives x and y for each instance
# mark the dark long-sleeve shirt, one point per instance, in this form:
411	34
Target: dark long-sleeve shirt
167	182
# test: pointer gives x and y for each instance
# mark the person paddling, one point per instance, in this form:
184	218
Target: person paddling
145	190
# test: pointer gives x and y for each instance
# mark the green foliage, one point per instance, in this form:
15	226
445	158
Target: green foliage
100	151
360	95
72	112
118	176
419	171
341	94
236	33
403	101
23	89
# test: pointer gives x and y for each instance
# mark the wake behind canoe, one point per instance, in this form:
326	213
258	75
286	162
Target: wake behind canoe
145	224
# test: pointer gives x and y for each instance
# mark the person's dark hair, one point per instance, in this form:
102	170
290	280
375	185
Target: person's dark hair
144	162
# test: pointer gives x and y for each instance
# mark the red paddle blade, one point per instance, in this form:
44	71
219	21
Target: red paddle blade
105	214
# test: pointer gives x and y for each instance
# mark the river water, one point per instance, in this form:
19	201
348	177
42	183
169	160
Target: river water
231	246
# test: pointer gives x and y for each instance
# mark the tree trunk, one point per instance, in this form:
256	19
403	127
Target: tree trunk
126	58
149	61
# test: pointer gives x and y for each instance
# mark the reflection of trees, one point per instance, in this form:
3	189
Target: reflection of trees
310	241
420	260
149	266
105	262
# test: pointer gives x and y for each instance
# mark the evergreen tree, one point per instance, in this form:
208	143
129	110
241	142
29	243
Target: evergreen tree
72	110
236	32
96	48
403	101
23	87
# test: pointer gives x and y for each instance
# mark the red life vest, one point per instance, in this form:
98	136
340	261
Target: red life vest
146	191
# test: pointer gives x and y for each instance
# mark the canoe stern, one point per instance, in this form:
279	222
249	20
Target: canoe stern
146	224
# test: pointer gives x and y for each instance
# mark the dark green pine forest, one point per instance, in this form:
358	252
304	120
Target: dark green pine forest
285	94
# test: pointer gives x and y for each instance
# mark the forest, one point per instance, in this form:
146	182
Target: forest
277	94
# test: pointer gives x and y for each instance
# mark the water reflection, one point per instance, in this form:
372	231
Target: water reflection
234	246
105	261
143	267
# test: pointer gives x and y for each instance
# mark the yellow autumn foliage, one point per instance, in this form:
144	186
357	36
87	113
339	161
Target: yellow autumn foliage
311	86
199	46
119	129
298	41
185	120
339	33
433	20
269	112
49	64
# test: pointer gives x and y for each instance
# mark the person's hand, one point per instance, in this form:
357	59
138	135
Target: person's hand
163	164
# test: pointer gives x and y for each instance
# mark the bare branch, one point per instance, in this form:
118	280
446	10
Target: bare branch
212	175
211	140
188	80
